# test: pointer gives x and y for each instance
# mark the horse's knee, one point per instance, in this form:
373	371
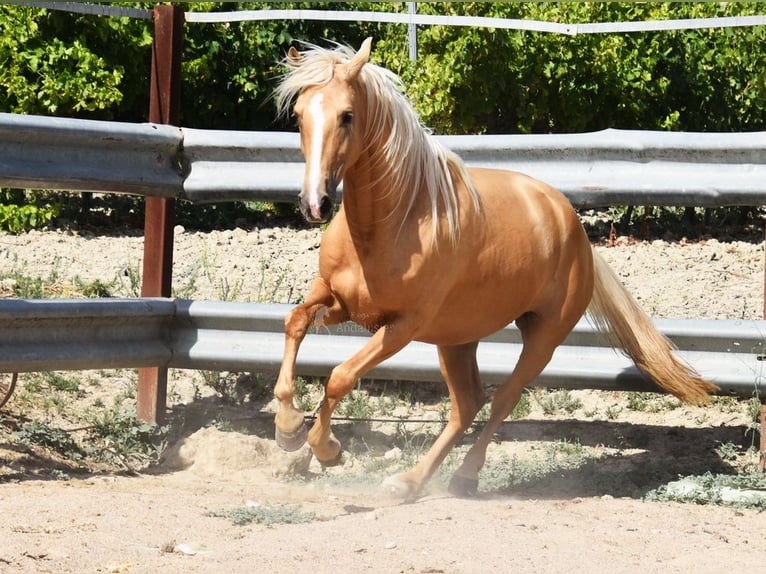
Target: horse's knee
297	322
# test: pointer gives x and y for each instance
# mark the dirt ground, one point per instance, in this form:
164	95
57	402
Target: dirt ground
588	518
583	521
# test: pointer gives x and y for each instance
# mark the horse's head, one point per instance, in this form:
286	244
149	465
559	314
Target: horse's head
327	116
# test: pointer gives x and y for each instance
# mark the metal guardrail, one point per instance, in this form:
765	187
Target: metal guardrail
611	167
61	334
112	333
87	155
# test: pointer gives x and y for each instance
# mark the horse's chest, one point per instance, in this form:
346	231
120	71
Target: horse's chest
369	301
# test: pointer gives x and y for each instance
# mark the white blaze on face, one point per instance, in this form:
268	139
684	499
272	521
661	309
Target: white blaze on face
315	161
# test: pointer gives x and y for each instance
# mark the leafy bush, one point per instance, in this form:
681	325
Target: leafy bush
466	80
15	218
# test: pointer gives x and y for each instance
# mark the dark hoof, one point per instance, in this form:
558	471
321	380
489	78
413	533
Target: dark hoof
334	461
463	487
291	441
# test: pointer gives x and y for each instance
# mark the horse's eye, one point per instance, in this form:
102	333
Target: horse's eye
296	120
346	118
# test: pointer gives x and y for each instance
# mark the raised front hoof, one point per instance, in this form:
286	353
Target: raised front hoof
463	487
291	441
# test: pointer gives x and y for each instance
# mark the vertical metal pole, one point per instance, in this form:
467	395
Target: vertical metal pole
762	462
164	108
412	31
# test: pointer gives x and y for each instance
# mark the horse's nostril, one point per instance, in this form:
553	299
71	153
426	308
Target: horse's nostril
326	207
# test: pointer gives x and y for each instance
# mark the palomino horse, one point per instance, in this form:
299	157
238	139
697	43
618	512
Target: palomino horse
426	249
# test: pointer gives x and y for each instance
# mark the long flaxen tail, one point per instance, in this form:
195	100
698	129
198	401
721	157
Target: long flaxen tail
618	316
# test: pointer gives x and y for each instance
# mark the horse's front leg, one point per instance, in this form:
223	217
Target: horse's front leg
387	341
318	308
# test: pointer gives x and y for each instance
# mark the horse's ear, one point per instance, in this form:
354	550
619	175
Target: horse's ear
294	57
359	59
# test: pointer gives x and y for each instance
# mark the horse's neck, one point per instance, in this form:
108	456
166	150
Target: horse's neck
373	210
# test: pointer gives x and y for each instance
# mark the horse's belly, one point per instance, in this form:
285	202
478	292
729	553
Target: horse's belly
458	324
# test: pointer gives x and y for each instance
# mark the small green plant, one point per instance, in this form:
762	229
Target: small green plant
51	392
412	444
613	412
57	381
222	383
94	289
266	514
25	286
558	401
754	409
119	436
132	275
42	433
728	451
638	401
651	402
236	388
591	412
754	414
224	290
522	408
20	218
356	405
268	289
307	393
739	491
509	471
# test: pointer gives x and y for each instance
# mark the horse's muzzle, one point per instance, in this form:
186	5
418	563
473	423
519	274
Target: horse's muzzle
319	209
317	213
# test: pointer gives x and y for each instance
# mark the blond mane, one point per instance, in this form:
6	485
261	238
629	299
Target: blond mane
412	159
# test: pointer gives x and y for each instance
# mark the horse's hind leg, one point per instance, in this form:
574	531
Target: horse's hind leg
461	374
291	431
540	340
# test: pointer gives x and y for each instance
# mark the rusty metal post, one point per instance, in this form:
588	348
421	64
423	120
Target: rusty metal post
159	220
762	462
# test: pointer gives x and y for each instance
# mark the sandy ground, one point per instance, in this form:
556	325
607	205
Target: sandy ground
703	279
133	524
584	520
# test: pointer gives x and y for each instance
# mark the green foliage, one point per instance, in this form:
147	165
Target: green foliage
651	402
25	286
42	433
17	218
522	408
68	64
466	80
94	289
118	436
507	472
20	218
554	402
474	80
267	514
356	405
739	491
